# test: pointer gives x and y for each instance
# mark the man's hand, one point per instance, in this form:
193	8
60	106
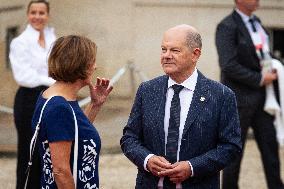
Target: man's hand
180	171
269	77
157	164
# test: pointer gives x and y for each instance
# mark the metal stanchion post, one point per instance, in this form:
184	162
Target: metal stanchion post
6	109
131	67
133	70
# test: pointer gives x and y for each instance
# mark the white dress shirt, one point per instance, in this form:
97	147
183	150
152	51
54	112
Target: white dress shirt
29	60
259	37
185	96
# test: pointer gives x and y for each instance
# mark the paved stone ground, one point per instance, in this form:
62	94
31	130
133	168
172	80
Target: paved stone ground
116	172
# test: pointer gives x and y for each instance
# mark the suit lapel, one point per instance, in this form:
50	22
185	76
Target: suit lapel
243	29
200	97
160	113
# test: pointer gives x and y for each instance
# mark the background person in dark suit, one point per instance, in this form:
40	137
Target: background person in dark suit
241	44
183	128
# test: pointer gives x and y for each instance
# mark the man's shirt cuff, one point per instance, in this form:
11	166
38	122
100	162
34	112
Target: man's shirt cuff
146	161
191	169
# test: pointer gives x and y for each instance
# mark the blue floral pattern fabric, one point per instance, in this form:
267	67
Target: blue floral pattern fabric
58	125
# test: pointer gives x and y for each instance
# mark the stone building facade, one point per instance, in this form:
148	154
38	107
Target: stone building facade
130	30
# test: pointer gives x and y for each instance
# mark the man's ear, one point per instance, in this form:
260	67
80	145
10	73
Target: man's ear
196	54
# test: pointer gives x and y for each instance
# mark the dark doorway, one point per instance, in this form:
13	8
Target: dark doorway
277	43
11	33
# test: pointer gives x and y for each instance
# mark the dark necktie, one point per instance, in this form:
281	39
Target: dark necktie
252	23
173	133
173	130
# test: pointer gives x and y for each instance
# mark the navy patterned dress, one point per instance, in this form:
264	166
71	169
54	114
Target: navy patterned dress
58	125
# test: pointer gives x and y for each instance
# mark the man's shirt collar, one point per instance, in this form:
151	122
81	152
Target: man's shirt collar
189	83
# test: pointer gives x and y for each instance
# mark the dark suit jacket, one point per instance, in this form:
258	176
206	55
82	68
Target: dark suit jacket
240	66
211	137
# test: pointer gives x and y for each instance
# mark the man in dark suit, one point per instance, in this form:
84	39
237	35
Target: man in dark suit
183	128
242	44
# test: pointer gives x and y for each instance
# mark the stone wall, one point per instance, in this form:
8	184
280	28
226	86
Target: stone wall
131	30
12	14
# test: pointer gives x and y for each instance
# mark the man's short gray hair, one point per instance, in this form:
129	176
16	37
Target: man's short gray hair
193	40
